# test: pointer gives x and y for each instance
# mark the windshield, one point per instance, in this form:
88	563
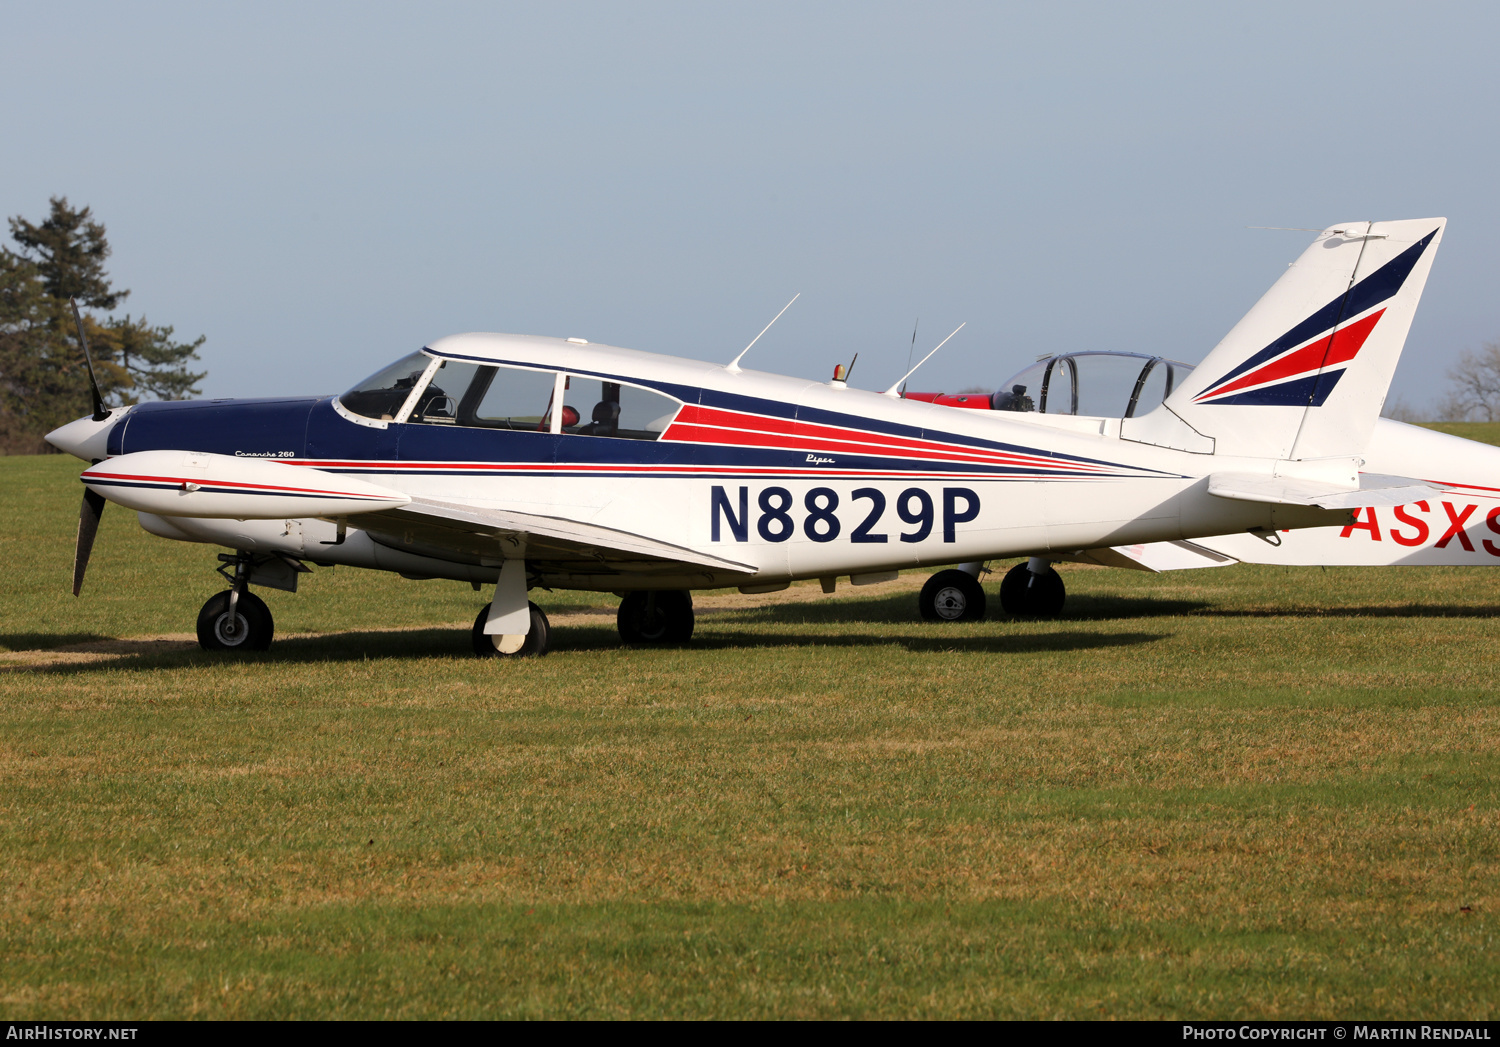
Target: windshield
381	395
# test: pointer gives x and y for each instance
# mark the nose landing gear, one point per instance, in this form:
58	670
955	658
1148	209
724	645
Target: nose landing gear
237	619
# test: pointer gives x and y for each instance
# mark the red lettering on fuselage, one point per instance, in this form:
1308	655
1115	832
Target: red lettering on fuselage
1489	521
1423	531
1370	524
1456	527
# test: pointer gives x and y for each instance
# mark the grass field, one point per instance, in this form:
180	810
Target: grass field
1246	792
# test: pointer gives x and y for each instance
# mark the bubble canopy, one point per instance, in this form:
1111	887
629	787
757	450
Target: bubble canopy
1094	384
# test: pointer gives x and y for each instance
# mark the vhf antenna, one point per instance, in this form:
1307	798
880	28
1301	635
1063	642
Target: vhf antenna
733	367
891	392
913	350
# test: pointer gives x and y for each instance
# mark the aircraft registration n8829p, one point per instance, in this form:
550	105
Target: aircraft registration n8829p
516	461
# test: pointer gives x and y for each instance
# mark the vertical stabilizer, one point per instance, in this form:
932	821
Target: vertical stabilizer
1304	375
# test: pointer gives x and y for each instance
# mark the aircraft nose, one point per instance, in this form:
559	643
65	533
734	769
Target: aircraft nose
83	437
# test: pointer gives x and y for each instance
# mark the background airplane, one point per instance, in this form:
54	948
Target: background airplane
472	460
1460	526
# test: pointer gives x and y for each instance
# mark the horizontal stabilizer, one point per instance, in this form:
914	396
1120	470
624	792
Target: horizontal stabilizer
1290	490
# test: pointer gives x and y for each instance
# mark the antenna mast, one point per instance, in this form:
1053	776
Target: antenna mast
891	392
733	367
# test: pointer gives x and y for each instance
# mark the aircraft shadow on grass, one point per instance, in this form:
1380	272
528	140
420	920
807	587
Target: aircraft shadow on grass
46	641
901	609
449	643
1383	611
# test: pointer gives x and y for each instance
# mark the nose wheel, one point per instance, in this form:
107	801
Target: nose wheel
245	626
656	617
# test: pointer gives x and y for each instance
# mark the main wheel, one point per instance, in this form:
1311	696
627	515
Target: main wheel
250	629
1026	594
952	596
496	645
656	617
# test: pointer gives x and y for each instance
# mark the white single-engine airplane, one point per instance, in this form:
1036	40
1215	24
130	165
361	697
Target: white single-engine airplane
519	461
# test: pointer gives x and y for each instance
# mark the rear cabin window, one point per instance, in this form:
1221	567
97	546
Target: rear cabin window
622	411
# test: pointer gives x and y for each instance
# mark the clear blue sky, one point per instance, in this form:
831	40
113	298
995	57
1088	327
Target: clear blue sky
321	188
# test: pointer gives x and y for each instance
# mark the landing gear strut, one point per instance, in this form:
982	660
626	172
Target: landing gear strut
237	619
1033	590
664	616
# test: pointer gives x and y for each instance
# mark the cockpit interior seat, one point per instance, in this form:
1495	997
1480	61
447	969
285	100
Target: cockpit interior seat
606	419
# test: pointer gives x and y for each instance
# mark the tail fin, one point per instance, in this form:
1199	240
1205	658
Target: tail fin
1305	373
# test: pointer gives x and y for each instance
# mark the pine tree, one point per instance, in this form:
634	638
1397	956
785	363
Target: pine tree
43	381
68	250
154	366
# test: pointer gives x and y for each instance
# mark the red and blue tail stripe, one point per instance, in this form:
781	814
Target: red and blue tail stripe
1301	368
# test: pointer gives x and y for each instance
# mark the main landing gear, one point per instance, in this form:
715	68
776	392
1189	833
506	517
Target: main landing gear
1030	590
531	644
237	619
1033	590
952	596
664	616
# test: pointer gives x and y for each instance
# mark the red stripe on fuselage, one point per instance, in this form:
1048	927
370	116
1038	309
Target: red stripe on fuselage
696	424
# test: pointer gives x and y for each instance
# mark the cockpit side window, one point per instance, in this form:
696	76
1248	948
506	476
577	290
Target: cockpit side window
381	395
486	396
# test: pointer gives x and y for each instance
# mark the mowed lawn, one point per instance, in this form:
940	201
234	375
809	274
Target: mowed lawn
1239	793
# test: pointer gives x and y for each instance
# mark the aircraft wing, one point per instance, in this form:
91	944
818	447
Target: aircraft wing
1152	556
486	535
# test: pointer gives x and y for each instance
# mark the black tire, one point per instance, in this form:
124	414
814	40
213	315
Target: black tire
1026	594
252	629
952	596
664	616
534	646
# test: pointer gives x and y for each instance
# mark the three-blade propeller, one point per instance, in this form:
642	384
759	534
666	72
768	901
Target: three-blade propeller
93	504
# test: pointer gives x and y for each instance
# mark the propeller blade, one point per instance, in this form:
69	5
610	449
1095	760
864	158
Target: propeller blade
88	526
99	412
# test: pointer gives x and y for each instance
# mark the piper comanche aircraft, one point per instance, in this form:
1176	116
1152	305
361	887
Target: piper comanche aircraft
515	461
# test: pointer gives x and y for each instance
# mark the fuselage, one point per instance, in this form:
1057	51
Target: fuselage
788	477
